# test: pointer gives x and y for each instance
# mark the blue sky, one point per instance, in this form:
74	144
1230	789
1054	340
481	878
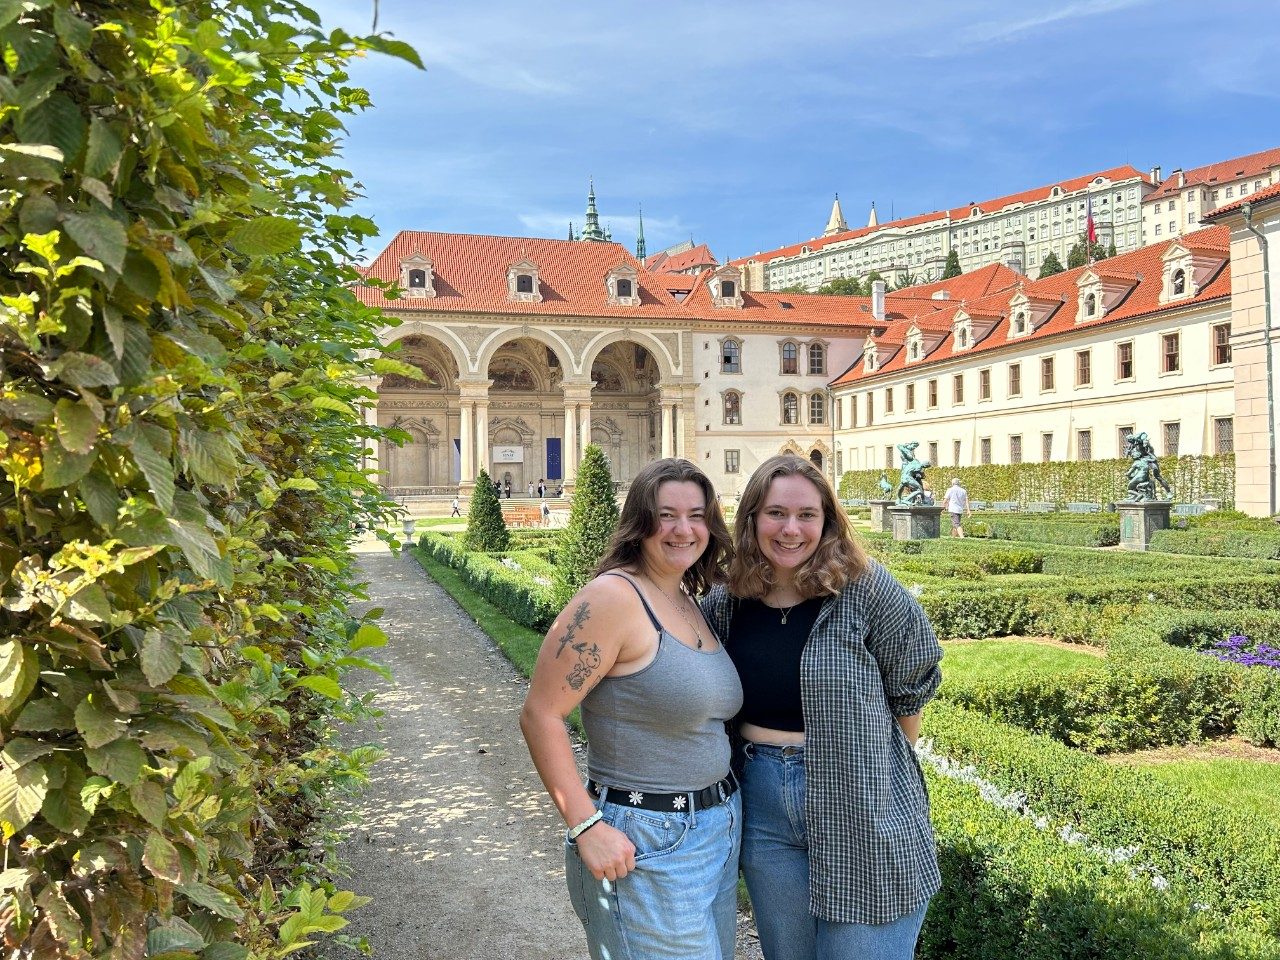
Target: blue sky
735	123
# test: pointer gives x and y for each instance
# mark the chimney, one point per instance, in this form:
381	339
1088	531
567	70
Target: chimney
1155	176
877	299
941	295
1182	177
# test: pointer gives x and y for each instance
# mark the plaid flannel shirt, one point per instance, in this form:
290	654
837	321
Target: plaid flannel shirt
871	656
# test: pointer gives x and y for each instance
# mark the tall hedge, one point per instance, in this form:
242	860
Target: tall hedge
486	529
593	515
179	389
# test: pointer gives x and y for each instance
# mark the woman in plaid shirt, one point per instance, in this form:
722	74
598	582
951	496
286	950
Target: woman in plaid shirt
837	662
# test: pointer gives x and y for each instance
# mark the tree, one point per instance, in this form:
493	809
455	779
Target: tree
872	277
1082	252
842	287
593	515
486	529
952	268
1050	266
908	279
184	360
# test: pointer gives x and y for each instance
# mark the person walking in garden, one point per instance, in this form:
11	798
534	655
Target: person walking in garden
956	500
837	662
651	856
457	508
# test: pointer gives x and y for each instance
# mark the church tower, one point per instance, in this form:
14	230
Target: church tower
835	223
592	231
873	220
640	252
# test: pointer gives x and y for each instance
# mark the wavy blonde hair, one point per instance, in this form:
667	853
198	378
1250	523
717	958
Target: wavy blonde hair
838	559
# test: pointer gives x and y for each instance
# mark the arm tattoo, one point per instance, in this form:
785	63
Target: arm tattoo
588	653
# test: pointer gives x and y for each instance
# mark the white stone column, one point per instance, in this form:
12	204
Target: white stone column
669	400
584	419
483	452
577	409
473	396
467	453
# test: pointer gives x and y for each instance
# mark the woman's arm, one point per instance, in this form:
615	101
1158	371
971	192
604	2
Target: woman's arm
911	726
580	648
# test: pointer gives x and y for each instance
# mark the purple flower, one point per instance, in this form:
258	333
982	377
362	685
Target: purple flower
1240	650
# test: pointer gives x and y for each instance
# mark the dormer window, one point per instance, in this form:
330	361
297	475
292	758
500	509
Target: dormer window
963	338
1091	305
417	277
869	359
1188	266
522	282
725	287
1178	284
622	286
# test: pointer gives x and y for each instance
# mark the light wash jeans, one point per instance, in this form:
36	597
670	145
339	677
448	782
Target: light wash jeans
775	862
680	902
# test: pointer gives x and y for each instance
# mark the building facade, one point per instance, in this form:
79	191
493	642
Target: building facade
1187	199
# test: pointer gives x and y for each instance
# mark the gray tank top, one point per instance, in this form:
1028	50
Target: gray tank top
662	728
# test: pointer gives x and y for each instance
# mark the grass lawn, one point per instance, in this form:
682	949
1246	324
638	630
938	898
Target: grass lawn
1246	786
971	660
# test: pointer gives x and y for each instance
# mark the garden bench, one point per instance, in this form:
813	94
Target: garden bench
1189	509
522	516
1084	508
1039	507
977	504
1005	505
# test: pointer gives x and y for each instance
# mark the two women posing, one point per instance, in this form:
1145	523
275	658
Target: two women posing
817	665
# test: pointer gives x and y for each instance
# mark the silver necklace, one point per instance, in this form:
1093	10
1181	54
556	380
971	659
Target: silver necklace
680	610
786	612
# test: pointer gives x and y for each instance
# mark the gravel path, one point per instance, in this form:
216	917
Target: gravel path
455	839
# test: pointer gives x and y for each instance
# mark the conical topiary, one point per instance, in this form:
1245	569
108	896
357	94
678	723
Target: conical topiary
486	530
592	519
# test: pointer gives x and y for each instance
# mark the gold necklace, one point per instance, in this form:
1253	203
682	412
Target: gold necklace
680	610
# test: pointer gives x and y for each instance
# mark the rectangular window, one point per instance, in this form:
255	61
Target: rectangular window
888	458
840	463
871	410
1122	439
1170	353
933	453
888	399
1124	360
732	461
1046	447
1084	444
957	388
955	453
911	397
1230	192
1223	435
984	384
1046	374
1084	368
984	445
1172	433
1015	379
817	408
1157	229
1221	343
1015	449
933	394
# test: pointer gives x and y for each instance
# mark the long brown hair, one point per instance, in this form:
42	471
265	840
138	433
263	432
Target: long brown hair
838	559
639	520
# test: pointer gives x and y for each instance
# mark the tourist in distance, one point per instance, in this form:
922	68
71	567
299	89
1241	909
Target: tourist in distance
956	500
651	855
837	662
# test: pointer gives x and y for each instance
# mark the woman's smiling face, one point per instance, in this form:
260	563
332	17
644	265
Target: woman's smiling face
789	524
682	533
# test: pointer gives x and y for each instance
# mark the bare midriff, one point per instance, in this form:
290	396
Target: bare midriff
779	738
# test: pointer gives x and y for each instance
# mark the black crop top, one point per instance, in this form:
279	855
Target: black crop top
767	654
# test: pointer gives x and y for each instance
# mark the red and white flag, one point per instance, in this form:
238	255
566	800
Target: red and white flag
1090	232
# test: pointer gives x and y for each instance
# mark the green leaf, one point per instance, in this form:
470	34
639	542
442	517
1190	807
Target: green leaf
299	483
19	672
22	750
161	657
99	723
333	404
203	345
172	935
212	899
56	120
22	793
209	456
89	604
369	635
264	236
47	713
322	685
61	469
395	48
121	760
156	468
201	551
83	370
77	424
99	495
15	878
104	149
161	857
29	407
225	951
148	799
99	236
63	807
10	10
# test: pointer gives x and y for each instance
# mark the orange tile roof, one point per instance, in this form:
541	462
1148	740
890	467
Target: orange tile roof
1265	195
1144	299
699	256
1223	171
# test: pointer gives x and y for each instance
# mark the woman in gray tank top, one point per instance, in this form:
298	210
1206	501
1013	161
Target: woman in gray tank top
651	854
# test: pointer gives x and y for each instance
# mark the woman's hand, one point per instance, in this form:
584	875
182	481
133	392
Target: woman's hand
606	852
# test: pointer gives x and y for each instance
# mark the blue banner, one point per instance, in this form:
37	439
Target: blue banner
553	458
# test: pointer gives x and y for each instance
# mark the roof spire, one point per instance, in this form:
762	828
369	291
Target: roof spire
835	223
592	229
640	250
571	236
873	220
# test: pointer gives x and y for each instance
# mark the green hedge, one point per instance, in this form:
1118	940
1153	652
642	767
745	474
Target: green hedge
514	592
1091	481
1074	533
1225	860
1219	542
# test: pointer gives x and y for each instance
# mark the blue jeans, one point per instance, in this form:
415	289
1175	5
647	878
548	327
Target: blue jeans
680	902
775	862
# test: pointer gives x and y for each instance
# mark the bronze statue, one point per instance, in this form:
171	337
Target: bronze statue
886	487
911	478
1144	471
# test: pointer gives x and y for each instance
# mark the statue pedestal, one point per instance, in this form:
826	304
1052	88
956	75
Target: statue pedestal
1138	521
880	522
916	523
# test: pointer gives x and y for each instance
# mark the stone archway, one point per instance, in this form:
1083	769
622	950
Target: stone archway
625	406
524	426
426	409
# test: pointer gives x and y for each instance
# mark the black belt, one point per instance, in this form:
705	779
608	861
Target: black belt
710	796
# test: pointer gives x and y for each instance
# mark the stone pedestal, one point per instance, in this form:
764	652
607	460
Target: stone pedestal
880	522
1138	521
916	523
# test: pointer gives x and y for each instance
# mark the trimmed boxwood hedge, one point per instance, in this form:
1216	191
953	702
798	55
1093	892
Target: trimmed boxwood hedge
1076	533
1218	542
514	592
1226	861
